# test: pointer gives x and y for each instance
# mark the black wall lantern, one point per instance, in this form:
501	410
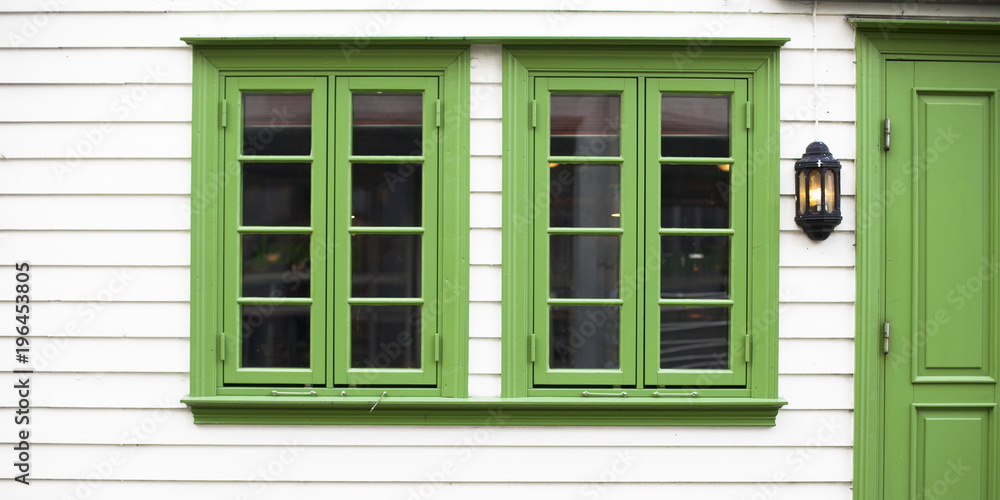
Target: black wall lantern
817	192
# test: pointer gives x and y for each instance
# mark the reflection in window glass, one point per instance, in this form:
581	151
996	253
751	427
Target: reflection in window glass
584	266
694	196
585	125
275	336
584	336
386	194
385	265
387	124
385	336
275	265
694	125
276	194
694	267
694	337
584	195
277	124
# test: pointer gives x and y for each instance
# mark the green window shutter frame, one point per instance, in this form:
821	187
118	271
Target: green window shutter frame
221	72
750	76
212	401
234	230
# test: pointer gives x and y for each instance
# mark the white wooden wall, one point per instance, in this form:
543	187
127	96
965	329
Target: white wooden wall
95	109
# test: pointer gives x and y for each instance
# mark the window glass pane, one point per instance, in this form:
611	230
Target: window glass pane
386	195
584	195
694	125
583	336
694	267
694	337
694	196
277	124
387	124
585	125
385	336
584	266
385	265
275	265
276	194
275	336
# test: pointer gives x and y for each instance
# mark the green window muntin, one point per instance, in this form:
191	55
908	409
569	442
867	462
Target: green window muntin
360	259
660	281
321	190
347	393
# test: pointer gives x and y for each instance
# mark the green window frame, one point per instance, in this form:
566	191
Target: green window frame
744	382
291	314
328	387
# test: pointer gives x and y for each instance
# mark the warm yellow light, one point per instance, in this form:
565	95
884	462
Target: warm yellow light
553	165
724	167
616	215
814	197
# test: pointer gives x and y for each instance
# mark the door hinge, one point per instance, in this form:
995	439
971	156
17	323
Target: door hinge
749	114
437	113
437	347
223	118
534	114
887	133
885	337
748	348
532	347
222	346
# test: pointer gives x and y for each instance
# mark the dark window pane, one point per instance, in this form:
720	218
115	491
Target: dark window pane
694	337
585	125
277	124
694	196
584	195
694	267
583	336
275	336
387	124
385	265
275	265
276	194
584	266
386	195
694	125
385	336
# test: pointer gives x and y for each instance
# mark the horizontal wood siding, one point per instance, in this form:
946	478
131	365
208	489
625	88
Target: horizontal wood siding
95	109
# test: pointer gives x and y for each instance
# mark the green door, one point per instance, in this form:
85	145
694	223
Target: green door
942	302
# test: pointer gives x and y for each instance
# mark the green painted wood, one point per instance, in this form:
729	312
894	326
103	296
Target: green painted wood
942	245
215	205
625	372
234	370
756	68
341	322
309	410
735	374
880	40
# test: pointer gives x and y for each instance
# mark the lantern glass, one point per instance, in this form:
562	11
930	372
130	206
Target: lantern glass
829	191
815	191
803	194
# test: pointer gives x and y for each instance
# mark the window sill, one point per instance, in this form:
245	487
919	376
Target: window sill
484	411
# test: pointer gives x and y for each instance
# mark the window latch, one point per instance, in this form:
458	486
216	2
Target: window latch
622	394
280	393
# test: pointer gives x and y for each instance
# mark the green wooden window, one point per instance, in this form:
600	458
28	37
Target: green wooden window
329	228
641	220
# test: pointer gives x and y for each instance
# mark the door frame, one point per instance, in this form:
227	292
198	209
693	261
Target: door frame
877	41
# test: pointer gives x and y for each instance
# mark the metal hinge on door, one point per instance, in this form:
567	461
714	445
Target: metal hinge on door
222	114
885	337
887	133
222	346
